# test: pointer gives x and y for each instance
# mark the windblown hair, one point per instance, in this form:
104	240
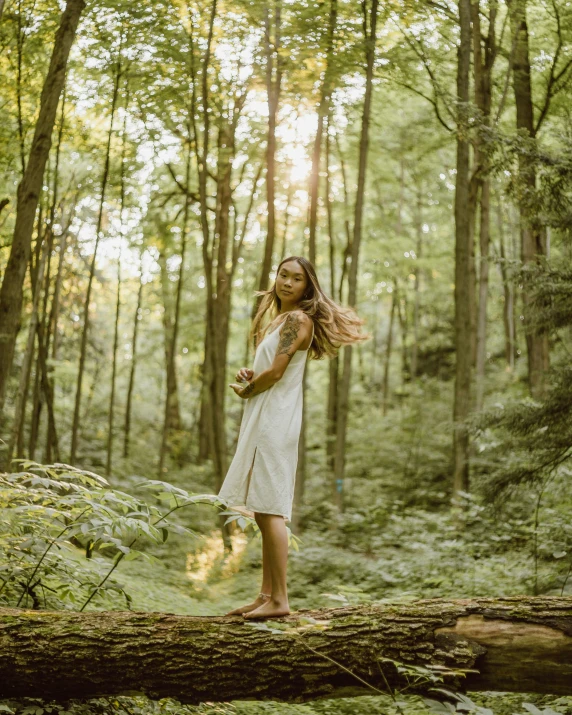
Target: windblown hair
334	324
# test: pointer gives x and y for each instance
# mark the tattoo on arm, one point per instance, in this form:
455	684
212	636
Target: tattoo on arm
248	389
288	335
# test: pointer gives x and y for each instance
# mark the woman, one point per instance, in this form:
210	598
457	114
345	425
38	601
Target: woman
260	480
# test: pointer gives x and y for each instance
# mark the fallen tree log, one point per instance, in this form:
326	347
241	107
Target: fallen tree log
520	644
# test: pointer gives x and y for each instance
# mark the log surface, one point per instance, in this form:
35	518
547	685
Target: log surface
520	643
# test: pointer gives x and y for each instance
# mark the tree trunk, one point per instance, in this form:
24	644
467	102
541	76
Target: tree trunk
29	192
347	252
483	67
52	329
483	293
388	346
37	400
463	351
533	238
334	363
416	285
171	398
18	425
323	109
44	330
517	644
129	400
404	327
344	392
174	415
273	87
83	347
508	289
111	419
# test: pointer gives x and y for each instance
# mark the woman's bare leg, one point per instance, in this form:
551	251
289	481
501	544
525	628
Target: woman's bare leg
275	539
266	577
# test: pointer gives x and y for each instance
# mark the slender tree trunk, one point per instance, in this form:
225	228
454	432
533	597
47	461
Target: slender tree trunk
111	416
334	363
472	214
462	264
173	421
323	109
289	196
508	290
19	57
388	346
416	284
347	253
344	392
37	400
273	87
128	406
404	328
41	243
483	294
533	237
483	66
19	415
83	347
49	385
205	420
47	389
29	192
111	420
44	328
216	438
222	301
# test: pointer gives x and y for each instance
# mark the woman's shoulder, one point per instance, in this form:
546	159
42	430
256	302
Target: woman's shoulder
299	317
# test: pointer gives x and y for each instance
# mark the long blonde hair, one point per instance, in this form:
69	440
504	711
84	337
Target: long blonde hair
334	324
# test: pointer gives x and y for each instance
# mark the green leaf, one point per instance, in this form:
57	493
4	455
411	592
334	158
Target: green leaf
132	555
532	708
436	706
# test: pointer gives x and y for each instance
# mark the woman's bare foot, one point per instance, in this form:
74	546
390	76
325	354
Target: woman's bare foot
260	600
271	608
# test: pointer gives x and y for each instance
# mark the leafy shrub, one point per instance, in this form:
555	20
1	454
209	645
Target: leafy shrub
52	515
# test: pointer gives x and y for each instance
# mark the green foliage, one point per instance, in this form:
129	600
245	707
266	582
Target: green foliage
50	512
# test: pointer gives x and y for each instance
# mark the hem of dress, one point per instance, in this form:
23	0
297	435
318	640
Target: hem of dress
241	508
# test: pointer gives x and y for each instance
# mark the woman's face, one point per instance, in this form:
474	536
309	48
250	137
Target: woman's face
291	283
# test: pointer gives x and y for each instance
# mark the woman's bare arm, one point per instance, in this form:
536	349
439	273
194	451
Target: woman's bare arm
297	327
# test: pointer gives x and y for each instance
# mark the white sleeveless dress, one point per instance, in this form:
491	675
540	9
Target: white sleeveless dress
262	474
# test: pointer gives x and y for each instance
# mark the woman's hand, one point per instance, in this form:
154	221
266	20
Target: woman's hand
237	388
245	374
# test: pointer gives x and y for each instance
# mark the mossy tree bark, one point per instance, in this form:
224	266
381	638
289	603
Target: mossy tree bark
519	643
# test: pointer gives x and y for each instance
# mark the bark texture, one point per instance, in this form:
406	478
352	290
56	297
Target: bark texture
517	643
463	242
30	189
533	234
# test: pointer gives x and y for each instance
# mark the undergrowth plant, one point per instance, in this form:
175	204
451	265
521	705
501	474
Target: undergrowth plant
64	531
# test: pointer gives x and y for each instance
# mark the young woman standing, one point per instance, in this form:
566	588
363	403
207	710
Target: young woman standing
260	480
